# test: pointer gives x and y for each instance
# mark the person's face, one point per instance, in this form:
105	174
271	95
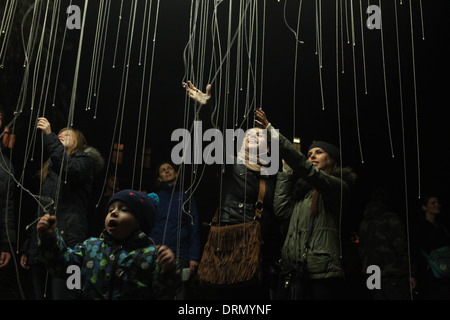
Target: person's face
67	138
120	222
319	158
254	138
111	181
433	206
167	174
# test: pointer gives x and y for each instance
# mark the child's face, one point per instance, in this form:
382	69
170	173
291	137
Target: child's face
120	222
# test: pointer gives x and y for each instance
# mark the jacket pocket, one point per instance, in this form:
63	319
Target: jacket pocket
318	262
234	211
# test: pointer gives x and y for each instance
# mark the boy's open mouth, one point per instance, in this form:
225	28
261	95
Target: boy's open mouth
112	224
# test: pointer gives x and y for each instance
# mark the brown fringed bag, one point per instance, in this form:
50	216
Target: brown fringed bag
232	254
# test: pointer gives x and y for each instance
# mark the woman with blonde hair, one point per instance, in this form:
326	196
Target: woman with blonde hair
66	181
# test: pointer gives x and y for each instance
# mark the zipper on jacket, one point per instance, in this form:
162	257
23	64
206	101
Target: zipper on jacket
115	257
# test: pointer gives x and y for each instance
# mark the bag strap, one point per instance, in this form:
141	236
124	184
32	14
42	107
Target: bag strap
259	204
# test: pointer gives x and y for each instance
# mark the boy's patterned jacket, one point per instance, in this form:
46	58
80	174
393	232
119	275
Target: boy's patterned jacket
111	269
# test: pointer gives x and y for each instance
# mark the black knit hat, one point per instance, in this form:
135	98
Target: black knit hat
144	206
332	150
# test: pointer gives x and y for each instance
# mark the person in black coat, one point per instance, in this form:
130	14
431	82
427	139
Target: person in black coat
67	179
7	219
240	184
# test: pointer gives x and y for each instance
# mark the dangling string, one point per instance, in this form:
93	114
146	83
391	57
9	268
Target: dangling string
403	145
295	65
413	56
338	104
59	62
355	84
117	34
319	48
5	27
363	45
386	100
150	79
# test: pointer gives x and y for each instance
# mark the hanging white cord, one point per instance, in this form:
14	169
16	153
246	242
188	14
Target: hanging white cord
386	100
150	76
355	84
404	147
363	45
413	55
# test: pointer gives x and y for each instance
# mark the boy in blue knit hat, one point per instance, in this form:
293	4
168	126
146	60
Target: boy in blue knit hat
124	263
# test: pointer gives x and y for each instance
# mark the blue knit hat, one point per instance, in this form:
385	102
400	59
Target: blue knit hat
144	206
332	150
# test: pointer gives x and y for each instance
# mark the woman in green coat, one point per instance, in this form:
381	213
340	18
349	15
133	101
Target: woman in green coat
311	192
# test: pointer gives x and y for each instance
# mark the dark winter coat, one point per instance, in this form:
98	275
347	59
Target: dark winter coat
7	220
383	242
177	227
67	192
293	199
111	269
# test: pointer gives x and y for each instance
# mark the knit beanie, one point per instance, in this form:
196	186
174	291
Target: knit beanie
332	150
144	206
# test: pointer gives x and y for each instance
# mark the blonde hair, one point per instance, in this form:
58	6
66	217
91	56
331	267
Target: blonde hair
79	145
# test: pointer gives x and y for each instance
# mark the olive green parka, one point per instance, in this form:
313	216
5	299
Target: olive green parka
293	196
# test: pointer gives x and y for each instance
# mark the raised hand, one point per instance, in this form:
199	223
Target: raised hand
261	119
197	95
44	125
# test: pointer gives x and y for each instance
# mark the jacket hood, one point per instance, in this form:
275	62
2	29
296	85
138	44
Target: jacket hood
96	156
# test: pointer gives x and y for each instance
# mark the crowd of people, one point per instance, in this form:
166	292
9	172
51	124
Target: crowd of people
141	245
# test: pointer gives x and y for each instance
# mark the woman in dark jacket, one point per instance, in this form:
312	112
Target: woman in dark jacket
67	180
241	180
7	218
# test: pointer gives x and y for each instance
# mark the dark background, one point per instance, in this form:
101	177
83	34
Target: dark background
167	100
